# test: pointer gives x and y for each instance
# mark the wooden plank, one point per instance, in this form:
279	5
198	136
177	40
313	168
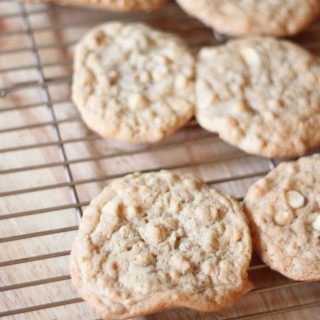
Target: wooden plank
36	239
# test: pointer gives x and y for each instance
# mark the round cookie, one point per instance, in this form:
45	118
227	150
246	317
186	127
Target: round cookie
264	17
261	95
133	83
155	241
284	213
115	5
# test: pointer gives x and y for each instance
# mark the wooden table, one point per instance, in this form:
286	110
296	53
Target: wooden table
51	165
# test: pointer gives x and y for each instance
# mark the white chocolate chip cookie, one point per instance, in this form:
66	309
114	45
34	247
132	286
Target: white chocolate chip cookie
115	5
284	213
261	95
241	17
133	83
159	240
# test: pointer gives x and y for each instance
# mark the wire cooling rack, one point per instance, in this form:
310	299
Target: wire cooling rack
51	165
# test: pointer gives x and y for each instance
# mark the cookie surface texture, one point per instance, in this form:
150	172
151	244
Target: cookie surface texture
260	17
154	241
133	83
115	5
261	95
284	213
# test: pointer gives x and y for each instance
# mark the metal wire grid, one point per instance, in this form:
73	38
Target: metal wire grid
25	13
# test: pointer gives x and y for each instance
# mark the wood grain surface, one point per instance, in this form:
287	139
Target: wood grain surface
51	166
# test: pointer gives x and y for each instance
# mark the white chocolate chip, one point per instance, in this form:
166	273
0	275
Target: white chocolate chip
173	54
113	75
145	259
188	72
295	199
86	77
209	99
170	175
132	212
185	246
269	115
207	268
203	213
282	218
110	220
112	208
145	77
275	104
181	263
149	115
191	183
208	54
181	81
178	104
251	57
154	234
316	222
203	85
160	73
210	242
186	267
162	60
240	107
137	101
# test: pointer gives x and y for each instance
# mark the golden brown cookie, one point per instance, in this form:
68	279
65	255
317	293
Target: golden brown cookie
133	83
160	240
284	213
261	95
263	17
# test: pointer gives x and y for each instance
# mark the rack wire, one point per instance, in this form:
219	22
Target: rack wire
51	165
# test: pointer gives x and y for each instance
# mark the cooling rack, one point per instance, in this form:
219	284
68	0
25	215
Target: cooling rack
51	165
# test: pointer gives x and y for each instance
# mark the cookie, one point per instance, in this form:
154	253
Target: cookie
160	240
261	95
284	213
115	5
133	83
260	17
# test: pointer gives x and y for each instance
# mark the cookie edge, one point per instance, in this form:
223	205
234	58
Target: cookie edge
161	302
261	240
244	27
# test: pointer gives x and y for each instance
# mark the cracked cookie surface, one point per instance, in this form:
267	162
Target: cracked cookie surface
133	83
261	95
284	213
154	241
264	17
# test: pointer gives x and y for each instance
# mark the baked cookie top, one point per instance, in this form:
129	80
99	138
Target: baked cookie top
284	213
160	240
133	83
241	17
261	95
